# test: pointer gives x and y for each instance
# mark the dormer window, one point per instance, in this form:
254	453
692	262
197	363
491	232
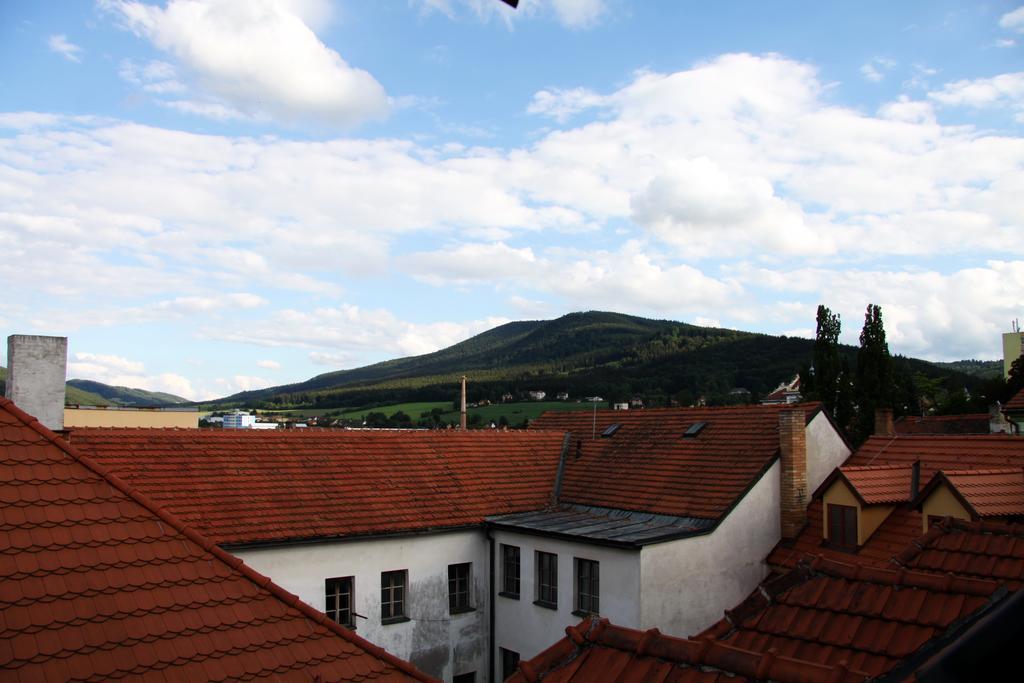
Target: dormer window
842	526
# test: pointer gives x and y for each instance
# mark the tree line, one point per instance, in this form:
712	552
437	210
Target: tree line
851	389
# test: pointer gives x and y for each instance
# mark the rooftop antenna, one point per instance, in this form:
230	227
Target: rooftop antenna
1015	324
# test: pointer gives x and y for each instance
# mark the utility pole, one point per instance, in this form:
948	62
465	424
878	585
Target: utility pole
462	412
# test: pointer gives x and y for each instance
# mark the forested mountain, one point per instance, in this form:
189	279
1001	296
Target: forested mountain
611	355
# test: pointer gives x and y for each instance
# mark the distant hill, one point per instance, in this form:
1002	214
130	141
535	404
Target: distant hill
611	355
986	369
125	396
85	392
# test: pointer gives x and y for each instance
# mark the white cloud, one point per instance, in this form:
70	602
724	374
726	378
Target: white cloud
259	57
122	372
268	364
982	92
348	328
1013	20
875	69
579	13
573	14
563	104
101	363
927	313
59	43
334	360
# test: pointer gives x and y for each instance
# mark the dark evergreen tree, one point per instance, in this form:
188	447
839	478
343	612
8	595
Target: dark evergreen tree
824	376
874	372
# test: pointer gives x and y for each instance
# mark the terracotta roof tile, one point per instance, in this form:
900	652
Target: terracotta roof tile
97	582
987	550
596	651
240	486
903	525
989	493
648	464
1015	404
974	423
880	483
828	611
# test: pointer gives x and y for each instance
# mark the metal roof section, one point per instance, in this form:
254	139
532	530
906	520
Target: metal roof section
603	525
610	430
694	429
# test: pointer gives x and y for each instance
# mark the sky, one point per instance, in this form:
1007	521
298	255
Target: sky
208	196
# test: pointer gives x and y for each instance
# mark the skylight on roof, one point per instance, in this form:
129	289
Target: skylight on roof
694	430
610	429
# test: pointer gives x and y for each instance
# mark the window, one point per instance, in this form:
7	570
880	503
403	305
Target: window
339	603
610	430
842	526
459	587
509	662
510	571
587	586
392	596
547	580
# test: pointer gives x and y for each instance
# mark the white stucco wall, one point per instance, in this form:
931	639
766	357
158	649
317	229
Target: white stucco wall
689	583
825	451
526	628
437	642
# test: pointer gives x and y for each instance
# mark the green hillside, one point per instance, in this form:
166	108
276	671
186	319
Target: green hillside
611	355
88	393
986	369
125	396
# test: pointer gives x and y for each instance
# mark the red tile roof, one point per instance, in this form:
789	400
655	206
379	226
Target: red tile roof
985	493
596	651
828	612
988	550
974	423
98	583
647	464
1015	404
903	525
874	485
942	452
240	486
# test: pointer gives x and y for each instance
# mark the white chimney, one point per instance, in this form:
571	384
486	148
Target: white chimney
36	372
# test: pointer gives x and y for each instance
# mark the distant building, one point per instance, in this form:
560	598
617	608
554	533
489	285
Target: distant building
118	416
239	420
538	395
784	394
562	396
1013	345
620	406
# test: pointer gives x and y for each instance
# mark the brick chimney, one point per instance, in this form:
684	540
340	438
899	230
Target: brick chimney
36	372
793	464
883	422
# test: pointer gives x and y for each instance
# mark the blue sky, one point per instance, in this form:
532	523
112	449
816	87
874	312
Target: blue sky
209	196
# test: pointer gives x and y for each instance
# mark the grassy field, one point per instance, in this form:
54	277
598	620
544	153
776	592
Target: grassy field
515	413
413	410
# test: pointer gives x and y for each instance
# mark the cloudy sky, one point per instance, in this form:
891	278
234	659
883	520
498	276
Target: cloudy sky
207	196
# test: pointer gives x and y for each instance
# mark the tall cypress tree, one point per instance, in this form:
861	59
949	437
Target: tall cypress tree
826	358
874	372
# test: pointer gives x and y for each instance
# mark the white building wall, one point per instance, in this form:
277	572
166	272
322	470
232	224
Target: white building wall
437	642
825	451
526	628
689	583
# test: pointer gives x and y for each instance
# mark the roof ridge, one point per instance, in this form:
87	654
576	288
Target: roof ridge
868	468
943	583
993	470
206	544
